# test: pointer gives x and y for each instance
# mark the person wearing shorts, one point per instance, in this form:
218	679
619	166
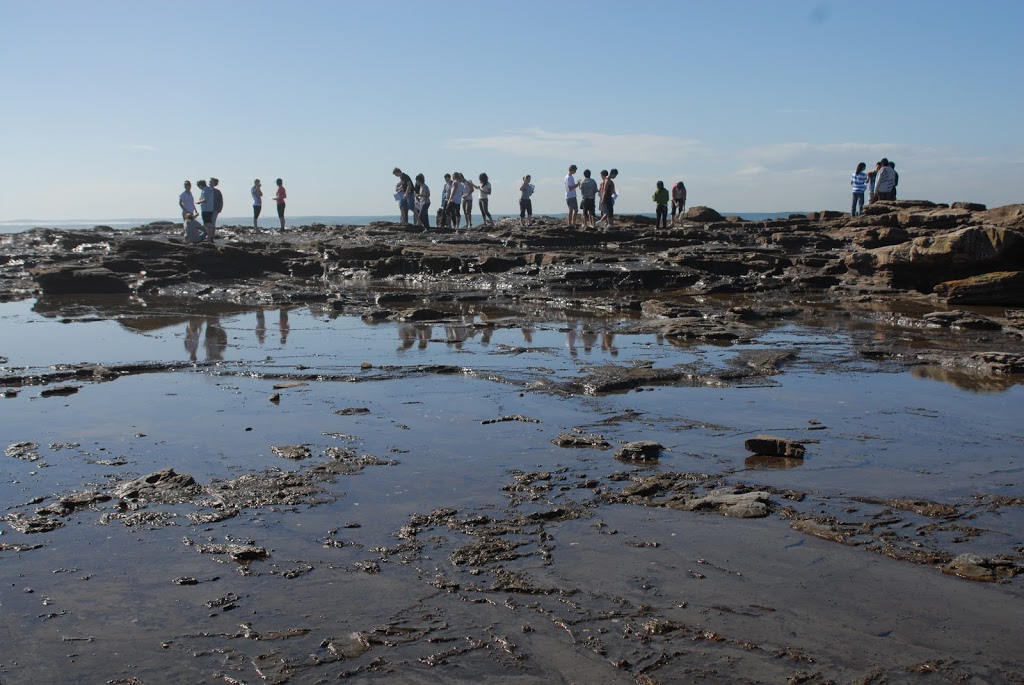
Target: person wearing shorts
588	189
571	200
279	198
608	198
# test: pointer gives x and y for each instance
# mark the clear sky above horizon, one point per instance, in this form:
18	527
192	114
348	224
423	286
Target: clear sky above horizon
758	106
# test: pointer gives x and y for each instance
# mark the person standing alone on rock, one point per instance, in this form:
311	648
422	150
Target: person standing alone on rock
678	201
571	200
525	201
859	181
485	200
279	197
257	202
186	201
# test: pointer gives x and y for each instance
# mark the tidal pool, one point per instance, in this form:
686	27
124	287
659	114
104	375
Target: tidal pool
433	530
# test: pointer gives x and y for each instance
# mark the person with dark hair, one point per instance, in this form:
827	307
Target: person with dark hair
885	181
525	201
279	197
678	201
442	211
405	193
896	178
859	181
588	191
600	198
257	202
485	200
660	198
422	201
205	201
609	196
571	201
194	232
218	199
455	200
467	200
186	201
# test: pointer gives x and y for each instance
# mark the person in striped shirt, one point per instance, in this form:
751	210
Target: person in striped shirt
859	181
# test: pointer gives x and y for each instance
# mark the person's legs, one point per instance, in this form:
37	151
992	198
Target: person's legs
467	208
256	209
280	214
425	215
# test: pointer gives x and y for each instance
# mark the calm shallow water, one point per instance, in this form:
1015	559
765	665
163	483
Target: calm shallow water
876	432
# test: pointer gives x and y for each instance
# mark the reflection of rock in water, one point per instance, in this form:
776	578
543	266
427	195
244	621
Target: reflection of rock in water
975	382
761	461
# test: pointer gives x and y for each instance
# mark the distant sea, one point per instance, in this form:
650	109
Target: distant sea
271	222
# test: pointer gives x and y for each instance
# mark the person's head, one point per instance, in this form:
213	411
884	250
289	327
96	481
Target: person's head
447	177
526	179
397	171
586	173
188	185
892	165
861	167
661	185
279	182
201	183
613	173
256	182
190	216
420	178
604	173
572	168
214	181
884	162
483	177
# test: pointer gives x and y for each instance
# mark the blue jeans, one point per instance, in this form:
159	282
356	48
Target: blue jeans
425	215
858	201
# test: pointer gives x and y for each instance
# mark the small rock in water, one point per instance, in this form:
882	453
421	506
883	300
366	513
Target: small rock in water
770	446
640	450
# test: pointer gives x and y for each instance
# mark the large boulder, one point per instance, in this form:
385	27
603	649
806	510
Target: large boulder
995	288
702	214
926	261
1007	215
76	279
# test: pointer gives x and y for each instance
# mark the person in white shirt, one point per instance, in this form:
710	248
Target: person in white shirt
570	196
257	202
485	200
186	201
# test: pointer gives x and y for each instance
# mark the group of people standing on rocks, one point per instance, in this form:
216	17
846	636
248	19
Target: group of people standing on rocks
585	195
211	203
879	184
456	200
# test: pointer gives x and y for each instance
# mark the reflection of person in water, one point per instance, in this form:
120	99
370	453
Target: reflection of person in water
527	330
570	338
261	326
192	330
419	333
457	333
216	340
589	338
407	334
282	324
608	342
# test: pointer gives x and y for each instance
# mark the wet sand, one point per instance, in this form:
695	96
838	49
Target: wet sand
432	530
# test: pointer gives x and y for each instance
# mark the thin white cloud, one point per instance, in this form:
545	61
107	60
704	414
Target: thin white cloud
562	145
139	147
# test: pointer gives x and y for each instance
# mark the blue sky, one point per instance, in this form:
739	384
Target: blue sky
758	106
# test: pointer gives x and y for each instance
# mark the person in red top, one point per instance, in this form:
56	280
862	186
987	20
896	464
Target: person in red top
279	198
